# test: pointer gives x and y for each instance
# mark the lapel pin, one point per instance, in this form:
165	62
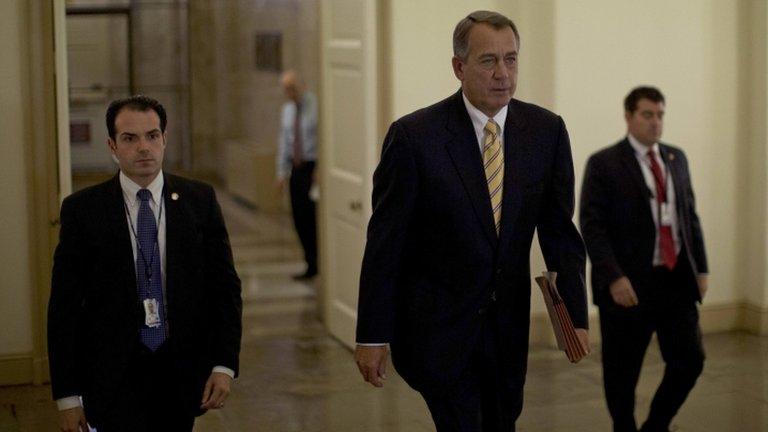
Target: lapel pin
175	196
671	157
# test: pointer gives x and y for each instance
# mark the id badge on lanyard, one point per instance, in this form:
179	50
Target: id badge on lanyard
665	212
151	313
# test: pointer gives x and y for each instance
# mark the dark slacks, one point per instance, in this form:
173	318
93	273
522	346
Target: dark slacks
149	400
667	308
304	211
480	401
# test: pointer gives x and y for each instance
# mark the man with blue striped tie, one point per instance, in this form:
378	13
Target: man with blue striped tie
144	318
459	191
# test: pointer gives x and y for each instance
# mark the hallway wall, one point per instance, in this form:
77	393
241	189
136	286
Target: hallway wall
98	70
580	59
577	58
28	185
693	52
753	158
419	61
15	265
235	106
687	50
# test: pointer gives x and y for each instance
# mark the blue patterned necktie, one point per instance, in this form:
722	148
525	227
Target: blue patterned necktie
149	278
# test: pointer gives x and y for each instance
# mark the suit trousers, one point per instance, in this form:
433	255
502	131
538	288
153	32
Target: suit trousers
304	211
666	308
149	401
479	401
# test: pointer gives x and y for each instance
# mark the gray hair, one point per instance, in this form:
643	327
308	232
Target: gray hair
461	32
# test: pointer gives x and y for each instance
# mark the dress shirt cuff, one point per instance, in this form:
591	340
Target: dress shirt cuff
225	370
69	402
371	344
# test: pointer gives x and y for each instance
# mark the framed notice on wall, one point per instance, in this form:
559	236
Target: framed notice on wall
80	132
269	51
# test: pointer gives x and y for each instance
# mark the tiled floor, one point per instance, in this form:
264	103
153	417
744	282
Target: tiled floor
296	378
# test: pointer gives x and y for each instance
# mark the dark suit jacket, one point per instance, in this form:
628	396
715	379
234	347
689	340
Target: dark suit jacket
617	223
433	259
94	313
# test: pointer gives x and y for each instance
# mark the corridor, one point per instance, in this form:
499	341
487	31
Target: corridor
294	377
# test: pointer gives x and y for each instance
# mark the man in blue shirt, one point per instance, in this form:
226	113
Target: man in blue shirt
296	156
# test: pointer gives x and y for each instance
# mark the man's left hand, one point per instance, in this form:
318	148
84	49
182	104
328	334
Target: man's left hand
216	391
703	285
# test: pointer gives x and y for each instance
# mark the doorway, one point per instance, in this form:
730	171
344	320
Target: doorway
119	48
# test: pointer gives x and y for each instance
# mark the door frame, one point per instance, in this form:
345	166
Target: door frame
62	98
375	48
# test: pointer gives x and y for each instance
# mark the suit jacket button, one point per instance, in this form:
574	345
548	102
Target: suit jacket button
498	271
481	311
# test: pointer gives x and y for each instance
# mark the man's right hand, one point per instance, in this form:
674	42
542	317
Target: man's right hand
73	420
622	292
372	362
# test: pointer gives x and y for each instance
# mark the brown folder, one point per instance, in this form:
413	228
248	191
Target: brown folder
561	320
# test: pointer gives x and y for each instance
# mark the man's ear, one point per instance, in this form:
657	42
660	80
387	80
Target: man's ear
112	145
458	68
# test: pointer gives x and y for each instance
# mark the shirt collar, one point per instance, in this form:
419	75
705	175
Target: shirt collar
479	119
302	102
130	188
641	150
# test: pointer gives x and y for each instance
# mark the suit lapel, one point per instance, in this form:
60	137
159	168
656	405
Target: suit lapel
515	157
629	160
674	172
174	235
465	154
118	227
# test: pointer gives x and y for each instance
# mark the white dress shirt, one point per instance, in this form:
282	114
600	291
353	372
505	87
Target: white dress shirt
308	124
132	203
641	153
479	119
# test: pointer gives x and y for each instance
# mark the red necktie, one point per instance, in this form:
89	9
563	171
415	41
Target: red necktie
297	144
666	242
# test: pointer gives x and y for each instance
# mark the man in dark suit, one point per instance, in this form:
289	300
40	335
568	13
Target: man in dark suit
638	218
459	191
144	318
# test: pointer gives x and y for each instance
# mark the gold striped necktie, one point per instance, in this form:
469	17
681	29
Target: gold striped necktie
493	160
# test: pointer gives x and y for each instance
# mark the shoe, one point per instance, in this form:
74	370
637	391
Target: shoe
309	274
647	428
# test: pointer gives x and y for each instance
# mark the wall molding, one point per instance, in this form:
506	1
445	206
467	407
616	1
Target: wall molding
754	319
16	369
19	369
